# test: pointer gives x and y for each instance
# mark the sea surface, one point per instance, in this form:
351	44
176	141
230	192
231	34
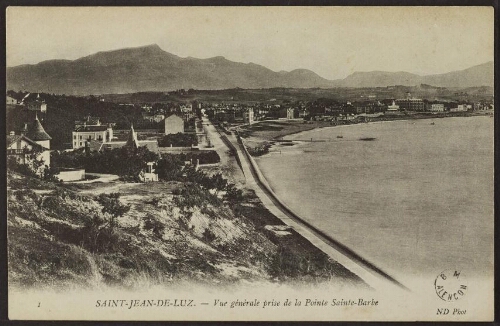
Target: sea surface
415	201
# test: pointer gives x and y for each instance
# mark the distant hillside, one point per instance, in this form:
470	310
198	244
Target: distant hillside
381	79
481	75
149	68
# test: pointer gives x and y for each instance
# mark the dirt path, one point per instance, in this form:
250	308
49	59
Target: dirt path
101	177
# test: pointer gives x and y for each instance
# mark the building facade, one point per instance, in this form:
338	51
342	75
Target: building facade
411	104
435	107
89	133
174	124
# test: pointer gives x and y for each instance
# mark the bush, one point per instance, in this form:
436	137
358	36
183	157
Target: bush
259	150
178	140
285	263
26	193
99	235
193	195
208	236
233	194
151	223
204	157
169	167
111	204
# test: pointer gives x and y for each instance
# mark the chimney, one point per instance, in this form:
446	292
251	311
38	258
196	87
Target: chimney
24	131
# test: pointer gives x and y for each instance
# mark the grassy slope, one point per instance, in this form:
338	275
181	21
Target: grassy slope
47	245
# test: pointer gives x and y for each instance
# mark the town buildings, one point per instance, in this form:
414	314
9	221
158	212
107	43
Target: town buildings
132	141
303	113
37	105
152	117
460	108
186	108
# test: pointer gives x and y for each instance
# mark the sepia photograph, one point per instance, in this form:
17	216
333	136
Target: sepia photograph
250	163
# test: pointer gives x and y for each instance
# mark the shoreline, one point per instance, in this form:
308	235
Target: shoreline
377	122
272	140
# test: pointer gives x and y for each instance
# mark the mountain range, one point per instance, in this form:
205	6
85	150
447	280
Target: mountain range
149	68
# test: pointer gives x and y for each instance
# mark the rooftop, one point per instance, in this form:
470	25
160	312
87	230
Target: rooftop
36	131
11	139
91	128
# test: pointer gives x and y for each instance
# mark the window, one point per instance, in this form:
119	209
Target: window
74	136
80	139
80	143
74	144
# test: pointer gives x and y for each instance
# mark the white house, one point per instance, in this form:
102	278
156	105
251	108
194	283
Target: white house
436	107
34	138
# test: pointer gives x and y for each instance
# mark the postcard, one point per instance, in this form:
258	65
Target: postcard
250	163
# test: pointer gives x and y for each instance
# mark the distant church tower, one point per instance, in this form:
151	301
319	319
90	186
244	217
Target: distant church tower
132	141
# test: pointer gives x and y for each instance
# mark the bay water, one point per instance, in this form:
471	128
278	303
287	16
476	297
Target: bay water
415	201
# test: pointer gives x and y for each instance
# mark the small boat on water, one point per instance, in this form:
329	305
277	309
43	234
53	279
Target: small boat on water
432	123
367	138
340	136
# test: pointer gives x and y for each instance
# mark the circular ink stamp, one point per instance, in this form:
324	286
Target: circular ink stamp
450	285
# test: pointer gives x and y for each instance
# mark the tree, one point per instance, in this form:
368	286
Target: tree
218	182
111	204
34	161
151	223
169	167
233	194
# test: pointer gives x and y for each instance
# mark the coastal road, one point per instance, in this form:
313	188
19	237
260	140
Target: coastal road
215	140
371	274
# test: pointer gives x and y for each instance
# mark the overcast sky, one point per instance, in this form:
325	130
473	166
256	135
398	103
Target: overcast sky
333	42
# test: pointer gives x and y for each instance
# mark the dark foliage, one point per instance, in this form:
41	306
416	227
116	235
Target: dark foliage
123	161
204	157
178	140
111	204
151	223
193	195
169	167
259	150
